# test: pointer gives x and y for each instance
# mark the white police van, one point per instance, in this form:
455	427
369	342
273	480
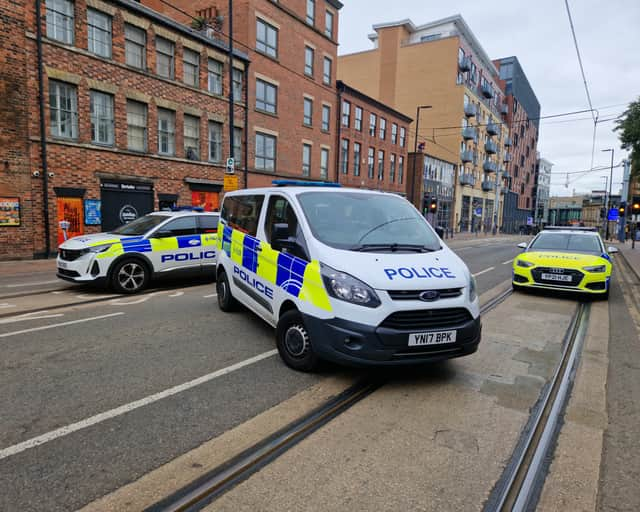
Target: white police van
128	257
349	275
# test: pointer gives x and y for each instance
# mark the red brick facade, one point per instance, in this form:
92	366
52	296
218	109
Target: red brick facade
389	173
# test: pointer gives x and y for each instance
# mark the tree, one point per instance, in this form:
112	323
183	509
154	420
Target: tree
628	126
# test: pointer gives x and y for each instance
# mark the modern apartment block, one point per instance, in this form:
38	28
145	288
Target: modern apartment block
541	191
372	142
126	112
523	119
441	65
292	46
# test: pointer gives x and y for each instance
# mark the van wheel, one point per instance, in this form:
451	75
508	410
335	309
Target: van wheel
130	276
226	302
294	344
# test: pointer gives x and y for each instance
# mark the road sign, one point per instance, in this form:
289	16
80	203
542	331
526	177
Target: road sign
529	221
614	214
230	166
478	212
230	182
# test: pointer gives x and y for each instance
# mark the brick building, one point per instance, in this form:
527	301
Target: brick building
372	143
292	97
135	116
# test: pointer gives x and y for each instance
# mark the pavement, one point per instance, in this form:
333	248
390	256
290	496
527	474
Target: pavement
632	255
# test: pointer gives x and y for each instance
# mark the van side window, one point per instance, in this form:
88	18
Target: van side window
281	212
242	212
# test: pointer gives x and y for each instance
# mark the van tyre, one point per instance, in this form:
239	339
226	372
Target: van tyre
130	276
226	301
294	343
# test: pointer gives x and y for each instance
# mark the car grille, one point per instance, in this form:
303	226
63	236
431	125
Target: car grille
68	273
576	276
69	254
446	293
427	319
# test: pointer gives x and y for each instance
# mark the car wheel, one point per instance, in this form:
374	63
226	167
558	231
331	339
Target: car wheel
226	302
294	343
130	276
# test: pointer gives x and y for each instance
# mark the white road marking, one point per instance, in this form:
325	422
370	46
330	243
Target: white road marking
507	262
89	296
61	324
123	409
58	292
6	305
144	298
35	315
484	271
20	285
177	294
210	295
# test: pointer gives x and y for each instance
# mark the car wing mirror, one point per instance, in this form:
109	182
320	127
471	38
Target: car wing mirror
522	245
162	234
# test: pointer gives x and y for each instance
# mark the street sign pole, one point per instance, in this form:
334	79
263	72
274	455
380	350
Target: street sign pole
624	200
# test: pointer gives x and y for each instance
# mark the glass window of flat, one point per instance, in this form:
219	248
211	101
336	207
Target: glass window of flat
394	133
400	169
165	60
166	132
392	168
371	162
215	141
237	146
346	113
63	110
403	137
60	20
191	63
326	75
383	128
102	121
324	163
344	156
266	38
308	112
328	24
326	117
214	76
191	137
135	46
238	79
380	165
266	97
373	120
136	126
358	119
265	152
311	12
309	55
306	159
99	33
357	152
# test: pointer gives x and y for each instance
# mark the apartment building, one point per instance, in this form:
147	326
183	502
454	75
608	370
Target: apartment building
134	117
292	97
441	65
541	191
372	141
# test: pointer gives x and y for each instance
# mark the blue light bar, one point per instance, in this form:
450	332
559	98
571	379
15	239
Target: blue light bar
187	209
300	183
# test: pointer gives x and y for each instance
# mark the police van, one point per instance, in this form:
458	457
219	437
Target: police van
349	275
127	258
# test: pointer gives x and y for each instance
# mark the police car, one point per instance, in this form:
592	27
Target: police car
567	259
349	275
128	257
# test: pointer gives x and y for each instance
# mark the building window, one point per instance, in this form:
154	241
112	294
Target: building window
63	110
328	24
311	12
166	132
373	119
326	118
326	75
237	146
357	151
308	112
191	63
380	165
135	46
136	126
394	133
309	54
344	156
99	33
383	128
192	137
102	127
324	163
306	159
266	97
403	137
215	141
165	51
371	162
392	168
400	169
60	20
346	113
266	38
358	119
238	78
265	152
214	74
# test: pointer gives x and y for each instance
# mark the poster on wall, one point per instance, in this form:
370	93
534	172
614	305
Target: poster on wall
70	209
9	211
208	201
92	215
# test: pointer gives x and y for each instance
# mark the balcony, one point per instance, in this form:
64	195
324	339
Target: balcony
490	166
506	157
469	133
464	64
507	142
466	156
486	91
504	109
470	110
491	147
467	180
493	129
488	186
504	174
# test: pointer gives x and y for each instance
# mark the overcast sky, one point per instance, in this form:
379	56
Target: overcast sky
538	33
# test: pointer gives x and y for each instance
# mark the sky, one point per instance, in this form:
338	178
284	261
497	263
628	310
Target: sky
539	34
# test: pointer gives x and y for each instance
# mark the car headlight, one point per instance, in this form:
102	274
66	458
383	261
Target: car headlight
349	289
473	289
596	268
523	263
98	248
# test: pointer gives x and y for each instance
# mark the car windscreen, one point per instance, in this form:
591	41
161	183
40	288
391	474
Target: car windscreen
140	226
361	221
566	243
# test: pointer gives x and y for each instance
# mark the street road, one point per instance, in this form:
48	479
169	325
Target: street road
96	395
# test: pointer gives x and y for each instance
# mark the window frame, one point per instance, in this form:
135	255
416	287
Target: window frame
262	104
346	113
54	13
265	157
327	77
196	148
171	57
72	112
310	16
328	25
237	84
309	68
265	47
326	120
373	123
358	118
104	120
214	141
371	162
380	165
306	159
392	167
400	169
92	28
383	128
170	132
215	77
144	128
186	64
130	42
403	136
307	117
357	155
324	163
394	133
344	156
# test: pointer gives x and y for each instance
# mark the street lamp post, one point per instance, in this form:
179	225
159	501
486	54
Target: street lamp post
608	195
415	144
606	183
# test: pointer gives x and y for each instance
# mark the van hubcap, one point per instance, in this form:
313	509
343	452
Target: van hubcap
131	276
296	340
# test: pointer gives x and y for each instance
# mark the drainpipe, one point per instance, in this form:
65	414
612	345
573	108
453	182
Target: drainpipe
339	125
231	99
246	126
43	134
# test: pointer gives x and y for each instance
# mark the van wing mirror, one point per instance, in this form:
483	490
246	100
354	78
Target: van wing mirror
522	245
280	237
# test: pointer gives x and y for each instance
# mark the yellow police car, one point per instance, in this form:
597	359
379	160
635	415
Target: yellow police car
127	258
564	258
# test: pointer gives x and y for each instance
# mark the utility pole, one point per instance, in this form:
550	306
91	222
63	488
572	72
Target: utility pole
606	213
624	200
415	148
231	99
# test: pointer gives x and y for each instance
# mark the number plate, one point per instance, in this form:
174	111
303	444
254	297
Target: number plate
431	338
556	277
62	264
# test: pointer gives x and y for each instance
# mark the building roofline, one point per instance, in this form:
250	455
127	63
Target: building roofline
513	58
343	87
178	27
335	4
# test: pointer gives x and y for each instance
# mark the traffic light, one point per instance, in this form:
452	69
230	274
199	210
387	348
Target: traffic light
622	209
433	206
635	207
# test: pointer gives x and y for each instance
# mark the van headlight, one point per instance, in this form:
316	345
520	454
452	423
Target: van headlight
473	289
347	288
596	268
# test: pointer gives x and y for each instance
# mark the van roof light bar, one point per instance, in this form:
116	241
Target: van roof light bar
300	183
